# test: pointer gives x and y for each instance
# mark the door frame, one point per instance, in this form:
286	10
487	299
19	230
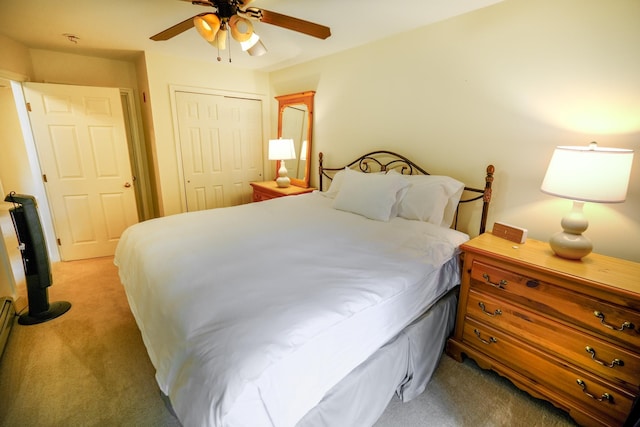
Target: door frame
138	154
266	129
34	165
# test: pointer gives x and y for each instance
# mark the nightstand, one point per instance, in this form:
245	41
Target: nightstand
269	190
562	330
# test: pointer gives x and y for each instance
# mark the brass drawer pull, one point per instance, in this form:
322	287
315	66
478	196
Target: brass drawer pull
497	312
625	325
605	396
491	340
615	362
500	285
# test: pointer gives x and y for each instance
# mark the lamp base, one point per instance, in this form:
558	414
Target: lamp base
283	181
570	243
570	246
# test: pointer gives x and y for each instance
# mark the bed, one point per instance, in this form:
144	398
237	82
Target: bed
255	317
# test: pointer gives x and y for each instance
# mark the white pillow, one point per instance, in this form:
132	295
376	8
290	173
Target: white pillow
424	203
370	195
431	198
336	183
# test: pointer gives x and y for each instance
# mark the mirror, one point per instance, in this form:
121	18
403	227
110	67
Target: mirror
295	118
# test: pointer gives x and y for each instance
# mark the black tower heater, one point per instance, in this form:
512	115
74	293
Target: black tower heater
35	261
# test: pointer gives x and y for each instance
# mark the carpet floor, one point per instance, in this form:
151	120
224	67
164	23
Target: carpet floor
89	367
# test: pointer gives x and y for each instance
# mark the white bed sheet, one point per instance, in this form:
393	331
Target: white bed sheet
251	314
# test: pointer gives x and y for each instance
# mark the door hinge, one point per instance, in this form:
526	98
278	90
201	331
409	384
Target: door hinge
59	242
28	106
44	177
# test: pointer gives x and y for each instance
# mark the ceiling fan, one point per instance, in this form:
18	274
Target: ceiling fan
236	17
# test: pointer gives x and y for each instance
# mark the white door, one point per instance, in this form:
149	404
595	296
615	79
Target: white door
221	148
82	147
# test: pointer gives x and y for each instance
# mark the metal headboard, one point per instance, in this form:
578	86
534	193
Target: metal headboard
384	161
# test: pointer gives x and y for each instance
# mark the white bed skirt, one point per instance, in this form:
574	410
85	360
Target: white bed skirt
403	366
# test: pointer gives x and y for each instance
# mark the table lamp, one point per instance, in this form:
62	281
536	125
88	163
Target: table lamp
281	150
584	174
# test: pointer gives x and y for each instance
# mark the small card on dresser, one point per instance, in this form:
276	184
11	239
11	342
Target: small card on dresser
509	232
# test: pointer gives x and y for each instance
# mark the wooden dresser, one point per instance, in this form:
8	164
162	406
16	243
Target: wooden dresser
269	189
565	331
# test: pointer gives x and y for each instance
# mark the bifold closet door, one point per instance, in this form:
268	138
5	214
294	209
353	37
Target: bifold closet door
220	147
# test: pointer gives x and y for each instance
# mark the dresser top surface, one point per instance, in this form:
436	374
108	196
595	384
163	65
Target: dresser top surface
595	268
273	187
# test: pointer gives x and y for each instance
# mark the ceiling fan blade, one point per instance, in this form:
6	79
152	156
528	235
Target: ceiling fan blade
175	30
295	24
201	2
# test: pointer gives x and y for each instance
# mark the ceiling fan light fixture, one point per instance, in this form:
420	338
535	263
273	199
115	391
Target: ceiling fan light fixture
257	49
207	26
248	44
237	17
241	28
221	40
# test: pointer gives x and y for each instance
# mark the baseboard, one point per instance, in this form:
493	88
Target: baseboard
7	317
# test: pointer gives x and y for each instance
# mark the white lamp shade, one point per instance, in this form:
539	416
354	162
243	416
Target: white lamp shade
257	49
254	46
589	174
221	40
250	42
281	149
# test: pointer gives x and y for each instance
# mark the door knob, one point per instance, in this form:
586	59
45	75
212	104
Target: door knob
127	185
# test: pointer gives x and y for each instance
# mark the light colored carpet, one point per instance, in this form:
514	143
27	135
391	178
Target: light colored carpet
89	367
462	394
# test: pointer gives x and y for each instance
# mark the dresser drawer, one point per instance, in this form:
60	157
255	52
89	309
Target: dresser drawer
259	196
618	323
588	391
588	351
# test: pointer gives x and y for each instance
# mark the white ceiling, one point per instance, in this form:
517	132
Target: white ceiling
121	28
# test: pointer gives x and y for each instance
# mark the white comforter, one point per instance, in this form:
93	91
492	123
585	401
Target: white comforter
251	314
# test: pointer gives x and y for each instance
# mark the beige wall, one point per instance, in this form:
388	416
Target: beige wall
82	70
15	174
15	61
163	73
503	85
